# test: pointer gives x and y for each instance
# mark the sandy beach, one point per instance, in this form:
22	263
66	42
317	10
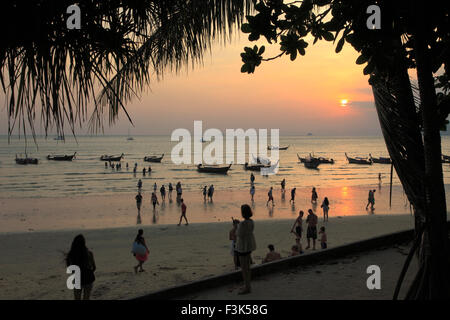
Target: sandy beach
340	279
32	267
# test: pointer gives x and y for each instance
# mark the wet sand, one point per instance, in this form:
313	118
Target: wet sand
98	212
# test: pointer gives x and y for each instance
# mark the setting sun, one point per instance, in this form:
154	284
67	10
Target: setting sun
344	102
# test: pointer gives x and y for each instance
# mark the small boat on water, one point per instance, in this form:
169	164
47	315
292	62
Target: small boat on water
111	158
380	160
153	158
26	160
213	168
277	148
311	163
261	160
358	160
323	160
256	166
61	157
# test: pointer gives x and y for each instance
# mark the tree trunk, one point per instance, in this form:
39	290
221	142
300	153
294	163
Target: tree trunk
435	241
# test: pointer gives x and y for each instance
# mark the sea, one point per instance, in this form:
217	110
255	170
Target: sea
87	174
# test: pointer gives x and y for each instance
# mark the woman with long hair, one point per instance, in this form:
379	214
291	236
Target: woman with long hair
82	257
140	257
245	244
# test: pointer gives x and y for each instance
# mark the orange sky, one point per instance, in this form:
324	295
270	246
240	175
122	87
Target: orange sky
296	97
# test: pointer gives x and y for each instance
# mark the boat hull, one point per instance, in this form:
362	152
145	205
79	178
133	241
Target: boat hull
216	170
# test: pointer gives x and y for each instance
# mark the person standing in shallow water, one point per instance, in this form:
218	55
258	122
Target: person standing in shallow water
204	193
252	191
270	195
82	257
314	196
252	178
170	190
163	192
293	190
154	201
245	244
325	206
283	186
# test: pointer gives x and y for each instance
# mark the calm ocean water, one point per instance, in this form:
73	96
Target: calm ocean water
88	175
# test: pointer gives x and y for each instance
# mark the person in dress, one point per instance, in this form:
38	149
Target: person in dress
141	258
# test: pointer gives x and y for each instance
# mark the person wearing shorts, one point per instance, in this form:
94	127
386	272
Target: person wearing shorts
311	232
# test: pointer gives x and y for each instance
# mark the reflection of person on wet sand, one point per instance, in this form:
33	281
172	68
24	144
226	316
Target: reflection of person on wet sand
252	192
139	219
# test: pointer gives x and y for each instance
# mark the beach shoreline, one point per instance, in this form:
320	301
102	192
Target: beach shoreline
32	265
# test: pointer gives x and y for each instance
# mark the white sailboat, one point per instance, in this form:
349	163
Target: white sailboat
129	137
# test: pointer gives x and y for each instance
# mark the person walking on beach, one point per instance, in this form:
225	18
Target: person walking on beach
314	196
379	179
283	186
139	185
155	187
139	201
298	226
232	236
252	191
154	200
79	255
323	238
325	206
170	190
270	194
140	251
144	171
293	190
245	244
252	178
149	169
272	255
371	199
183	212
311	232
211	192
162	190
204	193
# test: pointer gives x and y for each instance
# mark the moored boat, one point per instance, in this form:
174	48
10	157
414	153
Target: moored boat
213	169
300	159
383	160
61	157
111	158
154	158
358	160
311	162
26	160
256	166
277	148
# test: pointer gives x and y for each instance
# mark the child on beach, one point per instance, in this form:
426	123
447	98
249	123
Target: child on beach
311	232
252	191
325	206
141	255
293	195
232	237
163	192
82	257
294	251
204	193
272	255
314	195
139	201
154	200
270	194
298	225
183	212
323	238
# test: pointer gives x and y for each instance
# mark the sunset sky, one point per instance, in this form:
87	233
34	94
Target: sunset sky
297	97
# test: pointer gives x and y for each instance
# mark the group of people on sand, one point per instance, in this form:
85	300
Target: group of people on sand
208	192
311	232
